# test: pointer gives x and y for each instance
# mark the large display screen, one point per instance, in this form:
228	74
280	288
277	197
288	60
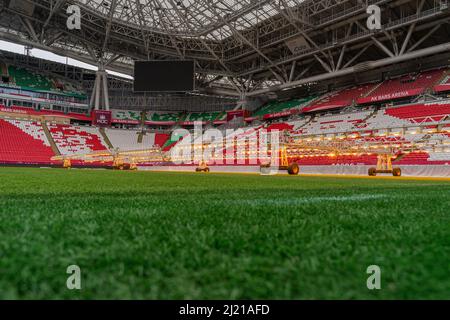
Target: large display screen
164	76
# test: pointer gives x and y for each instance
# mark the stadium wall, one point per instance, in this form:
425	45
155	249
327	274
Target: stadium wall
407	170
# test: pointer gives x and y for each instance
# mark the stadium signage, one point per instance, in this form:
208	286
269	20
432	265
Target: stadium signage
231	115
160	123
45	113
298	45
123	121
281	114
102	118
12	110
391	96
191	123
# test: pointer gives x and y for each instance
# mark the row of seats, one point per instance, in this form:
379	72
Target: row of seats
340	99
126	115
166	117
126	140
335	123
203	116
26	142
420	113
276	107
23	142
444	85
405	86
77	140
29	80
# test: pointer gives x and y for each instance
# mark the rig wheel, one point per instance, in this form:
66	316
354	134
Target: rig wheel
397	172
293	169
372	172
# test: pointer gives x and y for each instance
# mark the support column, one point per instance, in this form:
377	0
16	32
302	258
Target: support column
100	94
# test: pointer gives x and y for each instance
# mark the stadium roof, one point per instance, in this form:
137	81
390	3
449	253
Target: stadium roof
240	47
190	18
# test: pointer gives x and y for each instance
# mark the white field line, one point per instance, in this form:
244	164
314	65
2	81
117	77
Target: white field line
265	202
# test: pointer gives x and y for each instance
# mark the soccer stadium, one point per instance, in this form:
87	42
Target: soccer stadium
224	149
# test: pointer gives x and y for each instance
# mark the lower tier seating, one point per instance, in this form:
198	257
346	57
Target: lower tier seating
23	142
126	140
335	123
77	140
421	113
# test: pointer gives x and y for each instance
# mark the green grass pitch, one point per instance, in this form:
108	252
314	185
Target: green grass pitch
143	235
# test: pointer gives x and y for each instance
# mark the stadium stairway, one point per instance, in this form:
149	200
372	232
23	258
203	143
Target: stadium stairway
105	138
50	139
140	137
375	88
445	74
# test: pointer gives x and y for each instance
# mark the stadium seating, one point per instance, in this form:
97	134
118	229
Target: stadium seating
335	123
23	142
402	87
339	99
381	120
123	115
276	107
337	160
421	113
28	80
202	117
32	81
163	117
444	85
76	140
126	140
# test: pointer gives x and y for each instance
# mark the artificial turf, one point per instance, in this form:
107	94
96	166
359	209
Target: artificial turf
145	235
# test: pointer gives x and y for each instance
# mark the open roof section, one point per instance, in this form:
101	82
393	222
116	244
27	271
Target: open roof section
190	18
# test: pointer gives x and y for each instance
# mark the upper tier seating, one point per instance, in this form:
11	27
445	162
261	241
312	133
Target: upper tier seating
164	117
28	80
340	99
276	107
203	117
444	85
23	142
77	140
405	86
34	81
126	115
